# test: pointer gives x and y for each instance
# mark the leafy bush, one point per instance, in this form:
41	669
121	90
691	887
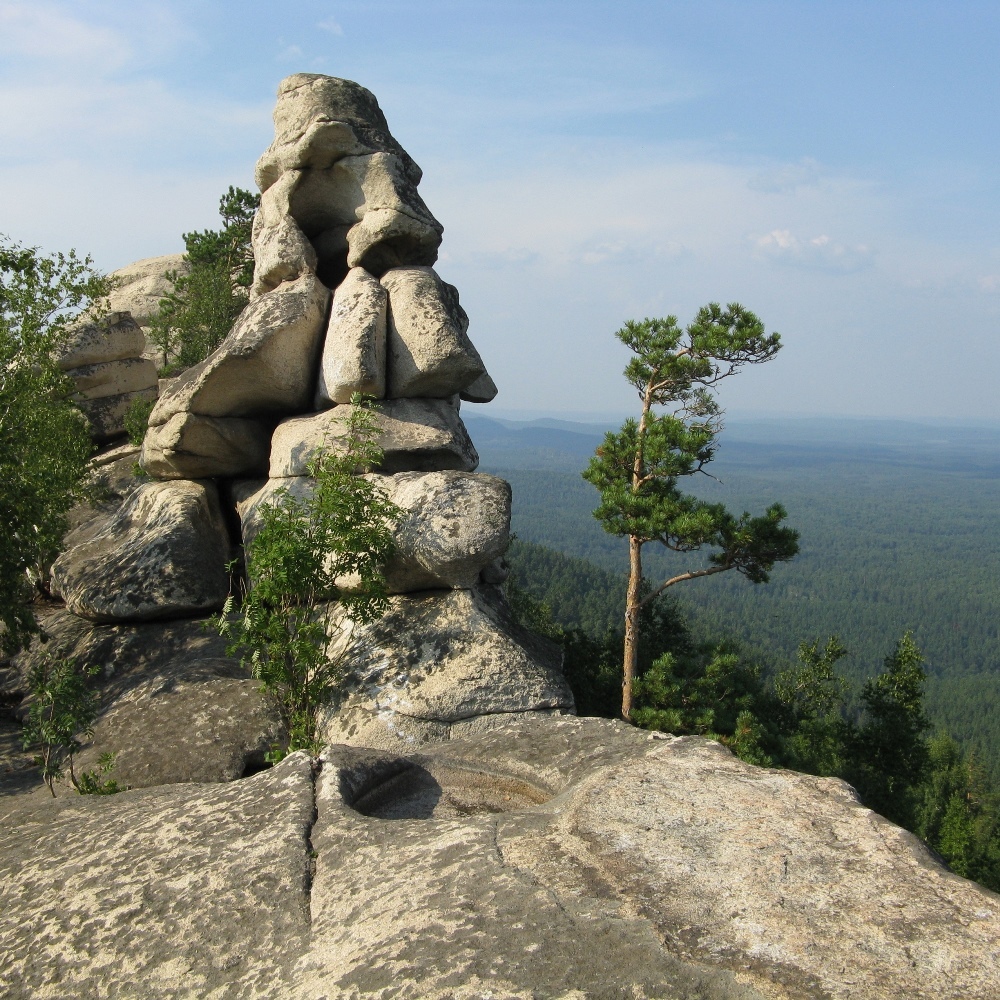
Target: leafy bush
44	439
137	419
195	317
315	571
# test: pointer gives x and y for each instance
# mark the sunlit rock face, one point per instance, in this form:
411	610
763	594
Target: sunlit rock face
345	301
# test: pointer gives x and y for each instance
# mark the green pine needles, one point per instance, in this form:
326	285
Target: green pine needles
316	572
637	469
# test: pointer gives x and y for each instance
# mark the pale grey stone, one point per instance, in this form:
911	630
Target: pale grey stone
174	705
353	357
111	338
113	378
414	435
190	446
140	286
336	176
548	857
438	658
162	555
180	891
429	351
265	365
454	525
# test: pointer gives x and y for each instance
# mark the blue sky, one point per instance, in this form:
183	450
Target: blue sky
832	166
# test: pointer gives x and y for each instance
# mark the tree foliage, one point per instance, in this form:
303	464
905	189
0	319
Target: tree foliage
315	571
44	439
195	317
638	468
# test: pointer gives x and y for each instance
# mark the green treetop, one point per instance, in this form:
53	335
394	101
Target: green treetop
638	468
44	439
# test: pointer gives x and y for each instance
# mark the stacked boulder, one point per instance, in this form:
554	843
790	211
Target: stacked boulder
105	360
344	301
140	286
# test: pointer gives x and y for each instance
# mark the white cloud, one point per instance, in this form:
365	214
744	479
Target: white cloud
290	53
990	283
820	252
332	26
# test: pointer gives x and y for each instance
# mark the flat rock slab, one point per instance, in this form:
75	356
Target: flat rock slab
181	891
565	858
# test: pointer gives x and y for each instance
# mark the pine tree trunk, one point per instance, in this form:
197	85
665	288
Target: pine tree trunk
631	624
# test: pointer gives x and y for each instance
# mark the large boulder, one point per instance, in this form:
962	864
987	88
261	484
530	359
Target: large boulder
263	366
114	337
563	858
440	663
429	351
453	526
140	286
414	435
106	414
163	554
190	446
354	349
337	190
114	378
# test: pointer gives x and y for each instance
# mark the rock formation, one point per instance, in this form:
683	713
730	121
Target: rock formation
344	301
139	288
104	359
460	838
557	858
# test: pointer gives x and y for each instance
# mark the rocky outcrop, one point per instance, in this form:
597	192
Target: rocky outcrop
440	663
162	555
140	286
549	858
175	707
104	359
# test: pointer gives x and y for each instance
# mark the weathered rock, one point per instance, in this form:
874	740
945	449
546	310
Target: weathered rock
336	179
181	891
112	338
190	446
440	659
174	706
113	378
563	858
263	366
454	525
162	555
483	390
414	435
106	414
141	285
354	349
429	353
280	248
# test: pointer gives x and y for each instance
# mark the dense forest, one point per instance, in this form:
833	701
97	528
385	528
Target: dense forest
900	530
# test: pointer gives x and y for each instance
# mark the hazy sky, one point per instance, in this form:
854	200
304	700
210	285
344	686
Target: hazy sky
833	166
